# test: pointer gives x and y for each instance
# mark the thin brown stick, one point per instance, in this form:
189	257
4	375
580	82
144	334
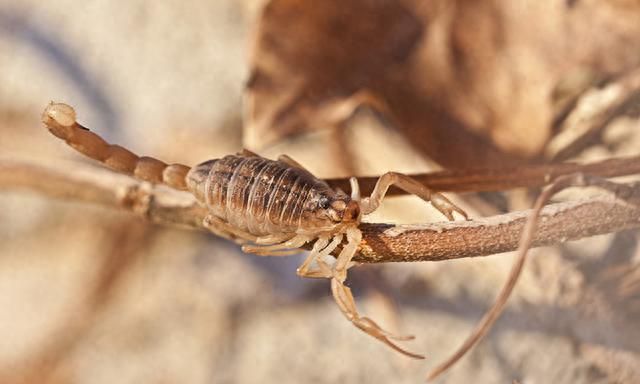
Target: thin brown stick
381	242
498	179
86	183
618	190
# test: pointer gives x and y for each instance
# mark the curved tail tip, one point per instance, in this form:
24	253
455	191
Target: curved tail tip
59	113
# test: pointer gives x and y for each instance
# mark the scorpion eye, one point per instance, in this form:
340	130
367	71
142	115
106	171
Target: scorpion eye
323	203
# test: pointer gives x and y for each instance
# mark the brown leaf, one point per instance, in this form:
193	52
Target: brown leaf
467	82
309	56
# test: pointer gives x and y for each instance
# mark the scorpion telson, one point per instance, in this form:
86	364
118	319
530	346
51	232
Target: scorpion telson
275	206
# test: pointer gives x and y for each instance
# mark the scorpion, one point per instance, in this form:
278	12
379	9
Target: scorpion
274	206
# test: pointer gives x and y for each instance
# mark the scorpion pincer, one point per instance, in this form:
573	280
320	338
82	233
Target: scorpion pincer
274	206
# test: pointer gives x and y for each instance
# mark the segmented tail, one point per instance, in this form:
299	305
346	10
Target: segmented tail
60	119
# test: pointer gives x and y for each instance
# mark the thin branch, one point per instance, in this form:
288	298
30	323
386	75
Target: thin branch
561	222
381	242
498	179
87	183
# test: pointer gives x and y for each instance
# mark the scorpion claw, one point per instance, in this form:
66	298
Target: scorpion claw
373	325
371	328
344	298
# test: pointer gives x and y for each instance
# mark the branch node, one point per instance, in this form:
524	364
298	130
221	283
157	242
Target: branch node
137	198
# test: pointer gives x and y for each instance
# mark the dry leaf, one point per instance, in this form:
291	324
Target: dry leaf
468	82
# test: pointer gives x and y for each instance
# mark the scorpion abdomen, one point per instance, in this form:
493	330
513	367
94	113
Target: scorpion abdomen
255	194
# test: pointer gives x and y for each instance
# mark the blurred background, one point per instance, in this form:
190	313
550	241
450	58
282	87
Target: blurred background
93	295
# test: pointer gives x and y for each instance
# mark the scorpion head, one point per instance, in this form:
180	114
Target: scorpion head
328	211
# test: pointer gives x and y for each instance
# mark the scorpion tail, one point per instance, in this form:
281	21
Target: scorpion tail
60	119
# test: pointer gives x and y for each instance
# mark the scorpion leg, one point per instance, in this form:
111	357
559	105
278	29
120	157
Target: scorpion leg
224	229
273	239
406	183
355	189
345	301
281	249
319	251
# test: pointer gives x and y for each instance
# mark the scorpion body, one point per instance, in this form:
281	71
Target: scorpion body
262	197
274	206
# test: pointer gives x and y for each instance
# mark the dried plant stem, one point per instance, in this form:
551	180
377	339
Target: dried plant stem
485	236
86	183
498	179
381	242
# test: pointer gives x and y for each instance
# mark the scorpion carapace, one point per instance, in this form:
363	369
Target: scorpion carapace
275	206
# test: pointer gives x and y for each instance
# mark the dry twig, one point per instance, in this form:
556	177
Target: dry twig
498	179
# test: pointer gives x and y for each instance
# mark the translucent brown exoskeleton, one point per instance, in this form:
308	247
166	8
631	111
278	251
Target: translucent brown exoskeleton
275	206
